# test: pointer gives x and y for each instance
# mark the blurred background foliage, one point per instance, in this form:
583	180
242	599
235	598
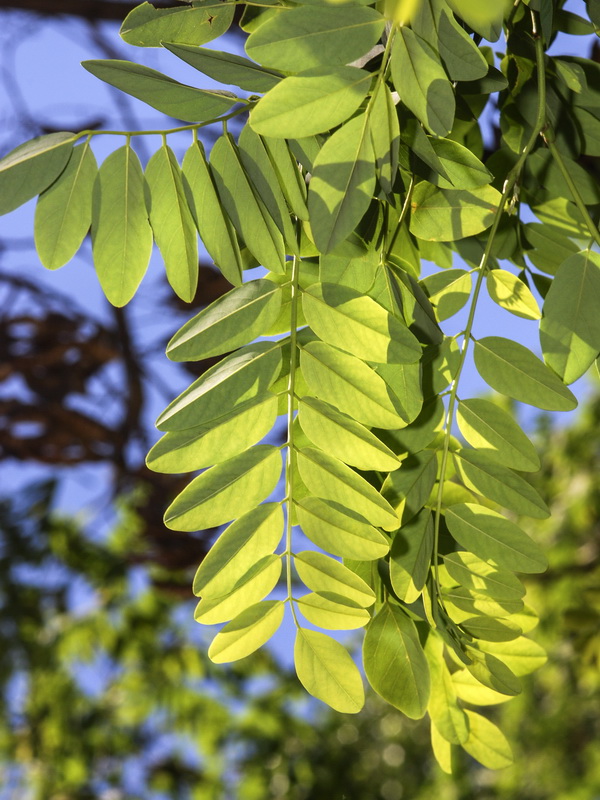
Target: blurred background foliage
106	692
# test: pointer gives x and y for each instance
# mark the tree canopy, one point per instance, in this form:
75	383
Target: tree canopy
352	157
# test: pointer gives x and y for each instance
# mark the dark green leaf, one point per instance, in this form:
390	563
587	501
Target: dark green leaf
196	23
408	488
410	556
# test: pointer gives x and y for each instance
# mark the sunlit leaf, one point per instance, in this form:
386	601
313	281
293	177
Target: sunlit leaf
226	490
512	294
408	488
196	23
410	556
445	215
326	670
333	611
395	664
486	743
247	632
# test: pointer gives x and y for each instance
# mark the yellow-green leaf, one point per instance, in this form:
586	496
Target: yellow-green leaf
512	294
247	632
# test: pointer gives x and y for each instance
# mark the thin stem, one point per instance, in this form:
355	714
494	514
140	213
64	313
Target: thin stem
578	200
403	213
291	389
166	131
509	185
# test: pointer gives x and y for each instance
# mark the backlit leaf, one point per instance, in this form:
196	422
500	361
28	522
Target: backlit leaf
172	222
312	102
232	320
244	207
232	382
224	437
196	23
512	369
570	328
251	537
491	536
408	488
521	655
331	479
342	184
472	572
343	437
324	574
448	291
226	490
384	130
512	294
484	16
63	213
486	743
496	434
247	632
216	231
410	556
421	82
395	664
326	670
227	68
302	37
121	233
255	585
499	483
348	383
340	531
161	92
332	611
445	215
32	167
445	712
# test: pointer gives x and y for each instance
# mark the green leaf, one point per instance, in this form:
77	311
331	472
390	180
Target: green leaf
421	82
483	16
521	656
343	437
243	205
446	714
395	664
172	222
461	168
513	370
226	490
499	484
331	479
448	291
408	488
326	671
349	384
444	215
496	434
486	743
489	629
469	689
216	231
354	322
302	38
493	673
491	536
161	92
245	542
404	384
227	68
265	181
342	184
512	294
420	433
232	320
384	131
121	233
314	101
32	167
324	574
224	437
196	23
288	173
570	328
340	531
551	246
463	59
63	213
247	632
442	750
466	603
472	572
332	611
255	585
236	379
410	556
